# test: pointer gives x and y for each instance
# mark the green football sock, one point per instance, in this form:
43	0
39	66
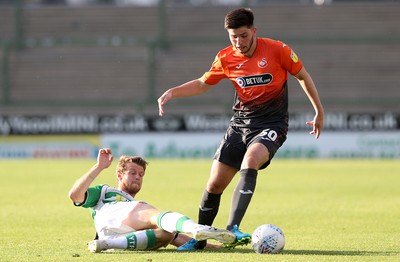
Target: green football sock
175	222
141	240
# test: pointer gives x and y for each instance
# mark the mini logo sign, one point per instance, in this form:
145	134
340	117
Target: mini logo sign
257	80
294	57
263	63
241	64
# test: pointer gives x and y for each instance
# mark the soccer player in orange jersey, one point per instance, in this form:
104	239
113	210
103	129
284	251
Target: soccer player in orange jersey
258	69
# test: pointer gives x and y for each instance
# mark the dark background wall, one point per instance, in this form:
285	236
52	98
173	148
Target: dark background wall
110	59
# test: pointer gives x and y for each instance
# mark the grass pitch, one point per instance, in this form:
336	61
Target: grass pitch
329	210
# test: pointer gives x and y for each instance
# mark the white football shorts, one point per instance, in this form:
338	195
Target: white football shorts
109	219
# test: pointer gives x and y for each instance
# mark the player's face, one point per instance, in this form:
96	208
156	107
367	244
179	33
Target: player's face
243	39
131	180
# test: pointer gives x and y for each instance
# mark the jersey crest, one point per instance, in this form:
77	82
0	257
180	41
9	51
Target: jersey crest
263	63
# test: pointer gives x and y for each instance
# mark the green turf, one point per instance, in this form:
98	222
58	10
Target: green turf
329	210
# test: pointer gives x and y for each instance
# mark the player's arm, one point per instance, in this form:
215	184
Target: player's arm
309	88
191	88
78	191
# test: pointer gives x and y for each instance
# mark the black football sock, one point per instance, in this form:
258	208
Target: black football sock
208	210
209	207
242	196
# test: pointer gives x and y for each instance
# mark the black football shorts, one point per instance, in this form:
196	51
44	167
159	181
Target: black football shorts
237	139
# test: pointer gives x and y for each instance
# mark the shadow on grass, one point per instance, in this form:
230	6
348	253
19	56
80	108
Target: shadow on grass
339	253
287	252
170	250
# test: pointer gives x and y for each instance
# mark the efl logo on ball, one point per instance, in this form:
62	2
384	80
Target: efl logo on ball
268	239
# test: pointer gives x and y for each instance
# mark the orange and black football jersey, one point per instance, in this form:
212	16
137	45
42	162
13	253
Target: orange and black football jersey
260	81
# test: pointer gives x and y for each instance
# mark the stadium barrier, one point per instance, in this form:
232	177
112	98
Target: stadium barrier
191	136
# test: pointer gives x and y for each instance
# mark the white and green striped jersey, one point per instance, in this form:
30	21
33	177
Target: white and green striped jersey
98	196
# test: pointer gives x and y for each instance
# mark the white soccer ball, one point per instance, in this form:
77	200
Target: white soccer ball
268	239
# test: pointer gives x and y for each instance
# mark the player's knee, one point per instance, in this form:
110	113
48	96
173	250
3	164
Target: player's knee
215	188
254	161
249	162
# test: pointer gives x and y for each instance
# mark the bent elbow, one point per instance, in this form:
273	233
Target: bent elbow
71	195
75	196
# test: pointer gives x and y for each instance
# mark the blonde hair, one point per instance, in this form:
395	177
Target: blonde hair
123	160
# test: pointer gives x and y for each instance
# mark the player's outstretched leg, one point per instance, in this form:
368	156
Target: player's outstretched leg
139	240
176	222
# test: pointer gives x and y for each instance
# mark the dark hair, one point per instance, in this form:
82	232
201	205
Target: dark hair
238	18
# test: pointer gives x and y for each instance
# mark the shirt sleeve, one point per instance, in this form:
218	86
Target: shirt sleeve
216	72
92	196
290	61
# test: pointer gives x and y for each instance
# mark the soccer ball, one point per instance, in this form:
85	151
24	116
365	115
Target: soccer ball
268	239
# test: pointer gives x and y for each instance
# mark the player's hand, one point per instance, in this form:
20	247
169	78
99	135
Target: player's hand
317	124
104	158
162	100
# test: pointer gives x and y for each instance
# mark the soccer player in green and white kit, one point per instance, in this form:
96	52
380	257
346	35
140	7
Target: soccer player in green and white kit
123	222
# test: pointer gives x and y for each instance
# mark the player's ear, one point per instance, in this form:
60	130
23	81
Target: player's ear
119	176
